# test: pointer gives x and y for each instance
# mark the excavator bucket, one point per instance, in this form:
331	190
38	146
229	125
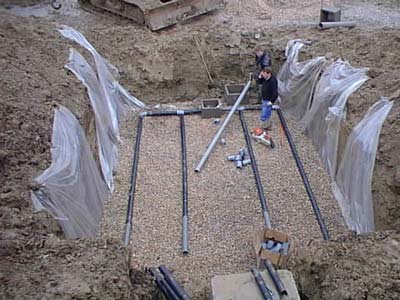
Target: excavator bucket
157	14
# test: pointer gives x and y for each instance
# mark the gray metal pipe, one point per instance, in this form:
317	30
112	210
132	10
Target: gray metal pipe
326	25
257	178
185	220
217	136
131	198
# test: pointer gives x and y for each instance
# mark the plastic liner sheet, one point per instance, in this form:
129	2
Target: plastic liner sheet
106	134
297	80
323	120
108	99
72	188
352	187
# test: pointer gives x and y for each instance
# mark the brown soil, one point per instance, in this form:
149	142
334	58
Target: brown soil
344	268
38	264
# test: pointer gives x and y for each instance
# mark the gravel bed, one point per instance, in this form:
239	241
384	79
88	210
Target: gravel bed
224	209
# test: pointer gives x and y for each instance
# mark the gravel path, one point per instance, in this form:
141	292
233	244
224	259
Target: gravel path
224	208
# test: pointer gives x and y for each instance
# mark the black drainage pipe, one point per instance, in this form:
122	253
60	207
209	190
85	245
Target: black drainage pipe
131	198
259	185
171	112
185	220
304	177
262	286
178	289
280	287
192	111
162	284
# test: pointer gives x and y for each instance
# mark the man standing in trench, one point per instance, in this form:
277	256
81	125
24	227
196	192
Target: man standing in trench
269	94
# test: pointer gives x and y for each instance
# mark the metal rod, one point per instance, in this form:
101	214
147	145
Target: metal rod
280	287
162	284
217	136
259	185
178	289
327	25
185	220
304	177
131	198
265	291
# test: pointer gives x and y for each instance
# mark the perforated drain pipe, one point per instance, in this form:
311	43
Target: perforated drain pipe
131	198
304	177
259	185
185	220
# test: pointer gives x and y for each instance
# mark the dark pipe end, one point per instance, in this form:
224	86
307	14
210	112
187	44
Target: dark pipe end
185	252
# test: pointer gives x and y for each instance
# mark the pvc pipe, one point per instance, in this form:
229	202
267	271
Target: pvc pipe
275	277
259	185
131	198
217	136
304	177
185	220
178	289
163	285
265	291
326	25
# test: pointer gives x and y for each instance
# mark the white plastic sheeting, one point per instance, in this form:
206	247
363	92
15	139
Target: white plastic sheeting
297	80
352	187
323	120
108	99
72	188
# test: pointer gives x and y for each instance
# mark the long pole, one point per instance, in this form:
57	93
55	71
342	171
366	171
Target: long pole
259	185
217	136
131	198
304	177
185	219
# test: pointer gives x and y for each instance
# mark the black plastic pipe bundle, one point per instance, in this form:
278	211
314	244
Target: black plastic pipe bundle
173	284
131	198
162	284
185	220
265	291
259	185
304	177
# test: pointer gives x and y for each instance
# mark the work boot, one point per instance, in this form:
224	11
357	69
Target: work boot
267	125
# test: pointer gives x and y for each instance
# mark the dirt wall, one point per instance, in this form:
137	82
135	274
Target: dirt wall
352	267
37	263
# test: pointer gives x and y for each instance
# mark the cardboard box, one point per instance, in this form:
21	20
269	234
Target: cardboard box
278	259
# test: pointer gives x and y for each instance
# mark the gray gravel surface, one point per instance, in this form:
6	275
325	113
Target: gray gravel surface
224	209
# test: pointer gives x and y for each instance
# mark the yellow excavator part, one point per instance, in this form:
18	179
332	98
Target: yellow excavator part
157	14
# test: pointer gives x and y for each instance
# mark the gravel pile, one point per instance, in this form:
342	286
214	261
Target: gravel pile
224	208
